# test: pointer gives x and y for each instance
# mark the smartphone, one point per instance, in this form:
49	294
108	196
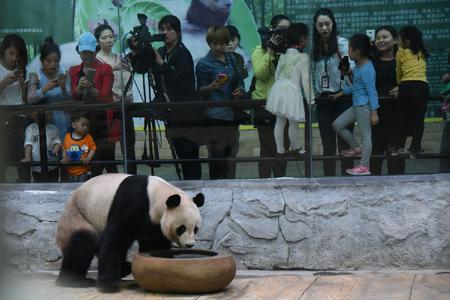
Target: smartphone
222	78
90	73
61	78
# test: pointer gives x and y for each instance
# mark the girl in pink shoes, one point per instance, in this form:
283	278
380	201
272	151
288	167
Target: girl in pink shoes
292	82
364	108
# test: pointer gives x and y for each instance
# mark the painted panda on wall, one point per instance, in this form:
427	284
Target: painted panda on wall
207	13
107	213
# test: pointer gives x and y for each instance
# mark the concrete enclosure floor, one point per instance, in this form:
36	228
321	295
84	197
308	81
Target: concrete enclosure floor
259	285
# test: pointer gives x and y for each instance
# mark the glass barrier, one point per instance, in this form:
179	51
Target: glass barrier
174	112
153	149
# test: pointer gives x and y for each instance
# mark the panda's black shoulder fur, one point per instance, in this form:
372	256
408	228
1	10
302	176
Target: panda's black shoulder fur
131	206
131	196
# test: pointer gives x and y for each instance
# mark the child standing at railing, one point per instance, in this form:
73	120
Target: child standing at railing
79	146
285	99
413	90
33	151
365	105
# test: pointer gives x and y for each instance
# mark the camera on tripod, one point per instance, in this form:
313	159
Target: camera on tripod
140	42
278	44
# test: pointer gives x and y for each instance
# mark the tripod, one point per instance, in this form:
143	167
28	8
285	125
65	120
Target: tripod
150	124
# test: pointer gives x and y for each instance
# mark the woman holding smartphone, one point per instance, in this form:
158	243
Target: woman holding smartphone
49	84
92	81
13	59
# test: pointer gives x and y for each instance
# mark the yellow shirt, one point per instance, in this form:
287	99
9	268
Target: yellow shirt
410	66
264	69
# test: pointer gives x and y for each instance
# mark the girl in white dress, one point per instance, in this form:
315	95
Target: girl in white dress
292	83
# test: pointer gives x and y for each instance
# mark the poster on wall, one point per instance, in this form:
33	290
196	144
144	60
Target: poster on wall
68	19
65	20
432	17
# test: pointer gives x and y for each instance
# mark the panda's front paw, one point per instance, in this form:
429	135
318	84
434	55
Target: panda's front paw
74	281
108	286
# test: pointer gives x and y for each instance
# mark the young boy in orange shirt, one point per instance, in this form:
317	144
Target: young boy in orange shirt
78	145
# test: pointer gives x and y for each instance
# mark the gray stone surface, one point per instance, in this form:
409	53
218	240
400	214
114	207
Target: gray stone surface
395	222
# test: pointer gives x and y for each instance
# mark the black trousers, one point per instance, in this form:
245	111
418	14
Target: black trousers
412	104
327	112
12	135
105	149
52	176
224	140
381	137
130	147
185	148
444	163
268	148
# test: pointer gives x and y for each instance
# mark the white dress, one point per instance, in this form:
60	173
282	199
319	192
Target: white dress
293	75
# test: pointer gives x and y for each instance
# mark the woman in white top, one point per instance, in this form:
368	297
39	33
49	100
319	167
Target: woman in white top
13	60
106	39
292	82
329	52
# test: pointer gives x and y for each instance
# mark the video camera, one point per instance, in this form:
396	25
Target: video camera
143	54
278	45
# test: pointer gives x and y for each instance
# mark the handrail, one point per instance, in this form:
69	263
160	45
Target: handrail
141	109
89	106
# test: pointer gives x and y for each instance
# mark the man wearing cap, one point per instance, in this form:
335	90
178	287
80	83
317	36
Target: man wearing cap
92	82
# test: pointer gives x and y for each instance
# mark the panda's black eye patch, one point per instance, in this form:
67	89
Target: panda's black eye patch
195	230
181	229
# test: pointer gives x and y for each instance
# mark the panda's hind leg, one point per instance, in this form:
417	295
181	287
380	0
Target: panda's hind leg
77	257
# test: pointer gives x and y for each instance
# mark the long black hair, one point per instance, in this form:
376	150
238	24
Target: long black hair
14	40
414	36
318	50
48	48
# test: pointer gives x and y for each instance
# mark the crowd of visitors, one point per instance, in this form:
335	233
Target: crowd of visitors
394	64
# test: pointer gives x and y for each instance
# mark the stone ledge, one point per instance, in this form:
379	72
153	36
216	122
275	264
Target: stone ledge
344	223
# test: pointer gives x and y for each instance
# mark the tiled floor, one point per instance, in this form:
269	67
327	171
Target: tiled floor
427	285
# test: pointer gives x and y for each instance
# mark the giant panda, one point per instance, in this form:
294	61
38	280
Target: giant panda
107	213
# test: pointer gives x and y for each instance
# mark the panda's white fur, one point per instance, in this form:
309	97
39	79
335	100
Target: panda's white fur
97	205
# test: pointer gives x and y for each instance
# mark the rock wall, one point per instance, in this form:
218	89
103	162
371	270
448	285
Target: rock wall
368	223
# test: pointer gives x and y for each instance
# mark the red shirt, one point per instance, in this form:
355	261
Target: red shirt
103	81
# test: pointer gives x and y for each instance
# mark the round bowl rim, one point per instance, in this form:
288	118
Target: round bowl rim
219	255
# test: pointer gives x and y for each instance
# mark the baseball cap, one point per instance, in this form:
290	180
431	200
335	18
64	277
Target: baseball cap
87	42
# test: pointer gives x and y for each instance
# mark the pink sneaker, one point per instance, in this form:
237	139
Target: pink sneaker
351	152
359	170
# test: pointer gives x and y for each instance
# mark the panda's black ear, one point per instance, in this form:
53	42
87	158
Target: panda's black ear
199	199
173	201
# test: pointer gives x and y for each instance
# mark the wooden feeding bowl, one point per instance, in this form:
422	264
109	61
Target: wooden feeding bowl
183	271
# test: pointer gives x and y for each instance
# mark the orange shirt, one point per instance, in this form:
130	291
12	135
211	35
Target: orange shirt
77	150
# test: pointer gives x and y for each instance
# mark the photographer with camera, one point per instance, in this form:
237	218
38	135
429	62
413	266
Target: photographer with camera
264	59
331	68
173	69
